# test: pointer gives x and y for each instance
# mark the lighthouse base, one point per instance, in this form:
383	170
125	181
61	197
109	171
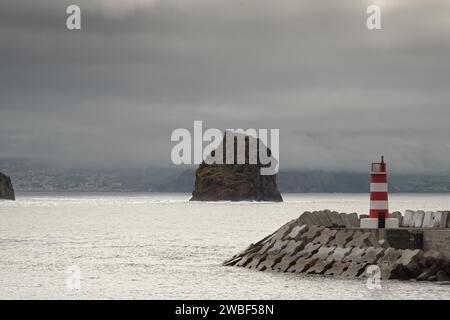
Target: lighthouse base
372	223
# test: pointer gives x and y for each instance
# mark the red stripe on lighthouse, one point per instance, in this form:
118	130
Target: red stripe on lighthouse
374	213
379	196
378	178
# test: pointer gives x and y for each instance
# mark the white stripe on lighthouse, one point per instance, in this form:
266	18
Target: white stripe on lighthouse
378	205
378	187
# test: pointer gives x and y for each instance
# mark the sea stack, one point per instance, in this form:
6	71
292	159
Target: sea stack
6	188
235	181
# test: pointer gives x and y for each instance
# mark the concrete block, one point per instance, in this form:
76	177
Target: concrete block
232	261
418	219
284	230
322	263
408	219
301	265
256	260
316	218
354	256
436	218
309	250
266	246
285	263
325	217
278	247
444	219
292	247
409	265
346	219
397	215
313	232
342	237
297	232
448	219
307	217
320	267
330	217
413	219
324	252
390	256
336	219
321	216
337	268
371	255
387	262
354	270
339	254
325	236
300	221
353	220
360	240
270	261
245	260
311	218
428	220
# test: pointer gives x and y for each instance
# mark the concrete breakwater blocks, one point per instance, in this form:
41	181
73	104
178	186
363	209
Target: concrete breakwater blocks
331	244
297	232
342	237
286	262
418	219
426	219
322	263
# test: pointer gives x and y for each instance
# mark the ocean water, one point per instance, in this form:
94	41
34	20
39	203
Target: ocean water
161	246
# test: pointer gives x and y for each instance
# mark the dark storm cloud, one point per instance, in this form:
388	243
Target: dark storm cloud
111	93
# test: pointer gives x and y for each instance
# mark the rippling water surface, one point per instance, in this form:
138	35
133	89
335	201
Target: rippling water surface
160	246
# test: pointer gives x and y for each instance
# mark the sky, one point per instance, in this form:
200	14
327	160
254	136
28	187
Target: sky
111	93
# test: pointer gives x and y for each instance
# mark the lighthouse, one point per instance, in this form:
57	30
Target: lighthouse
379	204
378	190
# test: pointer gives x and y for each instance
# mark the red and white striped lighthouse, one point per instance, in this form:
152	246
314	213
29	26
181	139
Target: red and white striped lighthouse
379	206
379	190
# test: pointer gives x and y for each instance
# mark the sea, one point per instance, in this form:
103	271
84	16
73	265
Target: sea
161	246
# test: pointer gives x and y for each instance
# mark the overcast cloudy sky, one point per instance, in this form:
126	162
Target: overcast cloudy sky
111	94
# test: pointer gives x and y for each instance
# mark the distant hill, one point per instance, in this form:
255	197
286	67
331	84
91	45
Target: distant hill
321	181
32	176
183	182
329	182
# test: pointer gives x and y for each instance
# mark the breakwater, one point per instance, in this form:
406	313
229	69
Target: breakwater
332	244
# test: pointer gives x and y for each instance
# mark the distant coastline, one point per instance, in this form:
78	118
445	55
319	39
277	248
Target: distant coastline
32	177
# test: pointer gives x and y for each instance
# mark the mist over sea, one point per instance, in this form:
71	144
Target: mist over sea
161	246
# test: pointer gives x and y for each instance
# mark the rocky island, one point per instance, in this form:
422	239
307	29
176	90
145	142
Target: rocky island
236	182
6	188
